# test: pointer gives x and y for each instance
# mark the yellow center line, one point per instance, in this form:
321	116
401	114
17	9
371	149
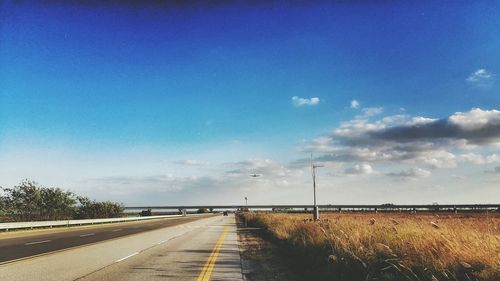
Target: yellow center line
206	272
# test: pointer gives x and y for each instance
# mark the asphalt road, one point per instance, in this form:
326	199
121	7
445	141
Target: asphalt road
202	250
27	244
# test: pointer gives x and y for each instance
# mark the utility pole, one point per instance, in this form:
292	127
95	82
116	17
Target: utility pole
246	210
313	172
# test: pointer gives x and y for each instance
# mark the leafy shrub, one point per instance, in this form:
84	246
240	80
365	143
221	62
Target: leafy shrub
202	211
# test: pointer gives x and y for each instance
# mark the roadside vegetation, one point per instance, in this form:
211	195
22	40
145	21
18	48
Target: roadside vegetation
387	246
30	201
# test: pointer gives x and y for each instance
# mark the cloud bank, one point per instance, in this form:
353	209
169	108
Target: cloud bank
436	143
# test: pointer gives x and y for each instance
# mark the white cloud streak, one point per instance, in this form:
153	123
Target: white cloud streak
191	162
297	101
480	78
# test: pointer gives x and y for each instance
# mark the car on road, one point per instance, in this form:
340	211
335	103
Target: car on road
225	213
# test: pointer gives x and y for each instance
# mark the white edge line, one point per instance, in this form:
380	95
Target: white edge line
36	242
131	255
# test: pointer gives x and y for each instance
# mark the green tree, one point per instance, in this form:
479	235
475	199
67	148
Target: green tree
57	204
24	200
3	205
91	209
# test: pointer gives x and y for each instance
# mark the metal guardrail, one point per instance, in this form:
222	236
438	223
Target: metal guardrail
36	224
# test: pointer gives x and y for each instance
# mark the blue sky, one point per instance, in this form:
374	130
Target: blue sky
171	103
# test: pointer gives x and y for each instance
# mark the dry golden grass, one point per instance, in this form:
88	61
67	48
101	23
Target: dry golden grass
391	246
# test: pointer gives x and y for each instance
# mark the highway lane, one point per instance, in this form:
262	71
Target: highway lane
15	246
202	250
209	253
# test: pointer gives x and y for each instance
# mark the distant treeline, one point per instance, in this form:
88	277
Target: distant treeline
30	201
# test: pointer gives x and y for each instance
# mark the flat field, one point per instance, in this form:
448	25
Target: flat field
388	246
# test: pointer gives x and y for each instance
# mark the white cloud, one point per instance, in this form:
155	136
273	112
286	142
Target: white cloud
412	173
480	78
304	101
475	119
493	158
420	121
462	138
438	159
355	104
359	169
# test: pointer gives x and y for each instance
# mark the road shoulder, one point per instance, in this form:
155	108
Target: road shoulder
261	259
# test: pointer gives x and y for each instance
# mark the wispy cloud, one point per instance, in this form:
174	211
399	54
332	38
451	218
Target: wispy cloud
368	112
191	162
480	78
297	101
267	168
231	178
129	184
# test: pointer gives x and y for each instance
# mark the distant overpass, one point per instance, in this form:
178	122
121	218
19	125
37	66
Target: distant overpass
387	207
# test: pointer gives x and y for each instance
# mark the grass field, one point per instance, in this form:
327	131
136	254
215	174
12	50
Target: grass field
388	246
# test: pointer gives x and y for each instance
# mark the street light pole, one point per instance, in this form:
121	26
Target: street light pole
313	172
